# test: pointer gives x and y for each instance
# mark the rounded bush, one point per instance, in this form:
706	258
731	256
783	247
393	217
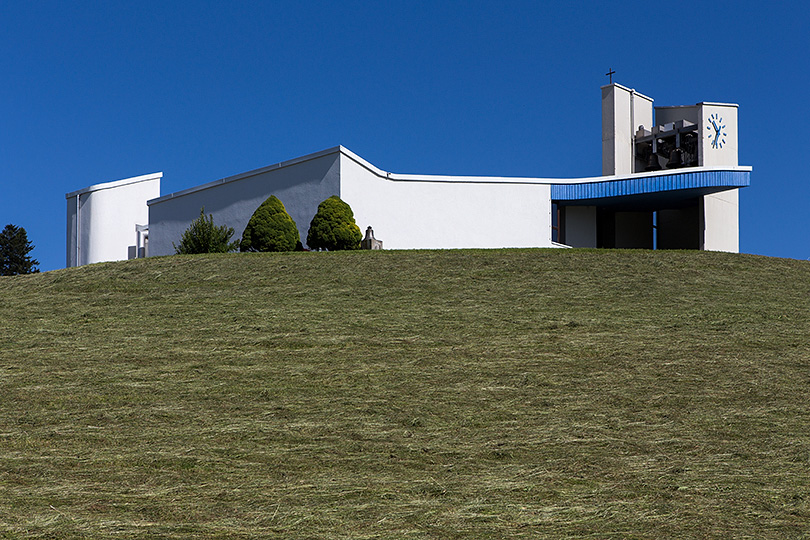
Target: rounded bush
270	229
333	227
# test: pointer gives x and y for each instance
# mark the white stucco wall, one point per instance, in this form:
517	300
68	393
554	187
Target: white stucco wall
406	211
414	211
101	219
720	221
301	184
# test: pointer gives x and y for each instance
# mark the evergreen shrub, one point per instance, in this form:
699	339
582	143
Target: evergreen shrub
270	229
333	227
202	236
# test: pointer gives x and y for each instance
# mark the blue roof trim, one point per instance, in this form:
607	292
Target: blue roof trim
650	184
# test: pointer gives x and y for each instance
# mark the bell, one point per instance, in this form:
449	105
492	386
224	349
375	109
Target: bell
652	163
675	159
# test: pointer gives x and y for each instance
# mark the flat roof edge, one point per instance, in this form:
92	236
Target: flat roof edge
395	177
248	174
115	184
719	103
714	180
670	172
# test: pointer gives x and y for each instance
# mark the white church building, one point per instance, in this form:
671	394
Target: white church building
670	180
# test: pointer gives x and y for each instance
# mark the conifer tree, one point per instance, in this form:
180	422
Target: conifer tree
14	250
333	227
202	236
270	229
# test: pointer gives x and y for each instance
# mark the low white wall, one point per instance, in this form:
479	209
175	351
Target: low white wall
101	219
300	184
453	212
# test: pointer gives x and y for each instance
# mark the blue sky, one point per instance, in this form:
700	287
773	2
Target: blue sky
99	91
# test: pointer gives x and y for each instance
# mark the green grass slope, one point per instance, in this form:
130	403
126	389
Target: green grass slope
417	394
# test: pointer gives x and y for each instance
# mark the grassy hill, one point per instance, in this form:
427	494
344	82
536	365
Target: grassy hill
417	394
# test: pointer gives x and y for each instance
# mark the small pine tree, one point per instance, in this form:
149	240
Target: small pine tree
270	229
14	250
202	236
333	227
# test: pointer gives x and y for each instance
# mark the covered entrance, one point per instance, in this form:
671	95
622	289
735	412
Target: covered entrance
631	227
667	210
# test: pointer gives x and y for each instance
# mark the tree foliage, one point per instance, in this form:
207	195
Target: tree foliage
270	229
202	236
14	250
333	227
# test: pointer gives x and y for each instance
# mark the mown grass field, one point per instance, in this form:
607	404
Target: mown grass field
418	394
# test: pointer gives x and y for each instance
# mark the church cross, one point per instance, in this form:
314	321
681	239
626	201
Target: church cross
610	74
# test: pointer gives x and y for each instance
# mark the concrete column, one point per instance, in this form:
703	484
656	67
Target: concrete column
580	226
720	221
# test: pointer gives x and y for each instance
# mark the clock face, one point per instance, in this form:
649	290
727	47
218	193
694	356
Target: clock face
717	131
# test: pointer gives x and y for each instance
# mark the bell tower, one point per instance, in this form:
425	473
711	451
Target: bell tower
623	110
